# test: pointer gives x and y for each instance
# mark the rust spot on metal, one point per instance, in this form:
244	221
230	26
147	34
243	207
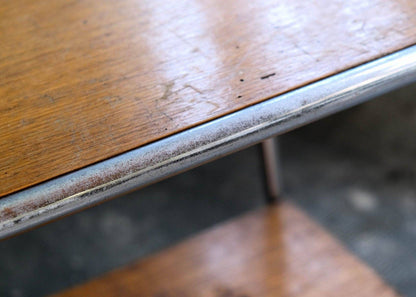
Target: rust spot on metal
8	213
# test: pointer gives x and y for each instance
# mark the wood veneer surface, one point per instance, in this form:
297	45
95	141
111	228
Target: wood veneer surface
82	81
276	251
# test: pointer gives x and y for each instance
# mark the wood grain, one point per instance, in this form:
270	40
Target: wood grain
276	251
81	81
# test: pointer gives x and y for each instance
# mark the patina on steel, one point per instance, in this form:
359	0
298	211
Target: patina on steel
169	156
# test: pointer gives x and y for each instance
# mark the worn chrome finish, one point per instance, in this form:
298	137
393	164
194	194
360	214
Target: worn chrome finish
193	147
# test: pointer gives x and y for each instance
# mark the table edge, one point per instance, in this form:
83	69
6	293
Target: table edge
148	164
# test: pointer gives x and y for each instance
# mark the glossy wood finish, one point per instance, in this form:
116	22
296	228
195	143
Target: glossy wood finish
81	81
276	251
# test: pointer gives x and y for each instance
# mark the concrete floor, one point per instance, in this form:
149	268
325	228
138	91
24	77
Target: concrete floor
353	172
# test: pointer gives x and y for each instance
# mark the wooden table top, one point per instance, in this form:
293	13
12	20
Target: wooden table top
82	81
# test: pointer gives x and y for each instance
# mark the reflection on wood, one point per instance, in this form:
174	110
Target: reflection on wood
276	251
82	81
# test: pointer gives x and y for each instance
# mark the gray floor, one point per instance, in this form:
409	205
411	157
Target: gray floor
353	172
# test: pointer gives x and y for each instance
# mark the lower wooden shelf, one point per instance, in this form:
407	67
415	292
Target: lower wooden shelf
274	251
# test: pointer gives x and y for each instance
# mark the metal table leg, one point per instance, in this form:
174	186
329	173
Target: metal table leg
271	163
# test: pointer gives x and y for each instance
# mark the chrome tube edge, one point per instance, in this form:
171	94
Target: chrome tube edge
206	142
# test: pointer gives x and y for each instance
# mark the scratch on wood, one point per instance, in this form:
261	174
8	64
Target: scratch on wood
168	90
25	122
112	100
166	115
303	50
193	88
268	75
213	103
51	99
188	43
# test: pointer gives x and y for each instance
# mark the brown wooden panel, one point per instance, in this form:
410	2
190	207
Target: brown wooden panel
81	81
276	251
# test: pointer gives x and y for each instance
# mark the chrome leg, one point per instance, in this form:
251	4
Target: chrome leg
271	164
